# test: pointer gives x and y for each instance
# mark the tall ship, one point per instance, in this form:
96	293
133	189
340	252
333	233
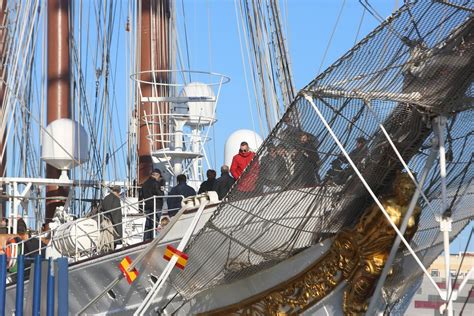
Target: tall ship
363	179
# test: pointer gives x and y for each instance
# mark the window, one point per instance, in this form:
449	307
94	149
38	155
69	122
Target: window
435	273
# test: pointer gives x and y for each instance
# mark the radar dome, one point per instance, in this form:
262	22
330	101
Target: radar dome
232	144
65	144
200	112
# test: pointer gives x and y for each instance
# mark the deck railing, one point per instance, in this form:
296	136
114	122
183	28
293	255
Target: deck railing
100	245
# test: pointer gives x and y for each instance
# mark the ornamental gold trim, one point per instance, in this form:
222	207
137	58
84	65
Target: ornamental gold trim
357	256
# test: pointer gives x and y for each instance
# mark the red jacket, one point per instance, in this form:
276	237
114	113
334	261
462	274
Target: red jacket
239	163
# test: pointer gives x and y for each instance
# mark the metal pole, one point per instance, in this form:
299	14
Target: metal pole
396	244
445	227
3	283
58	86
63	284
20	279
154	44
37	287
154	217
445	221
3	77
50	289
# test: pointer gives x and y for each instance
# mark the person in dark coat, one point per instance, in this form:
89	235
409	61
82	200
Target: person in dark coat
152	187
174	203
111	208
209	183
306	162
273	170
223	183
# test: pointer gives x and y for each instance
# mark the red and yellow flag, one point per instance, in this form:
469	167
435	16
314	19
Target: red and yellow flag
130	275
182	257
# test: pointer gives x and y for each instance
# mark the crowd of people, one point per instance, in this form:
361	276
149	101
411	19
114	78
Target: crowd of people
294	163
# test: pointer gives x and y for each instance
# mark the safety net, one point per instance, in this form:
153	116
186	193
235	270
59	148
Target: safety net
299	189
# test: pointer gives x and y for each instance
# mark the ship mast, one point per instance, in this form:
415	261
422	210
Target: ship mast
58	87
154	25
3	74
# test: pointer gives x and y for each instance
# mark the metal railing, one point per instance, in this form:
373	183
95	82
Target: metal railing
98	246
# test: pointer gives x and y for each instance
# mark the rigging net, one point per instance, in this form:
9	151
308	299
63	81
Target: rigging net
282	205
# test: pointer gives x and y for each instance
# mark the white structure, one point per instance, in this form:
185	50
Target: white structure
65	144
198	112
233	143
191	98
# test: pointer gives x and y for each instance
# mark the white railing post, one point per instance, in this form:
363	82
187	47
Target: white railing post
154	217
99	246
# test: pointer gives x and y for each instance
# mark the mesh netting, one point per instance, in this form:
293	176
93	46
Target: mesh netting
299	189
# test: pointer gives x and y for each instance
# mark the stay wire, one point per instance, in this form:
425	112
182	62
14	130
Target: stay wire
186	38
332	35
460	264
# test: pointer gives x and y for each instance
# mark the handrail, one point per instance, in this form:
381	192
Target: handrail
139	258
166	272
95	248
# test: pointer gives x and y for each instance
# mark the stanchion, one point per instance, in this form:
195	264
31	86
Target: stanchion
37	287
20	279
50	291
3	283
63	283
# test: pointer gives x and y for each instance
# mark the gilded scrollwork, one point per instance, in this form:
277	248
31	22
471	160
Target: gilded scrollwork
357	256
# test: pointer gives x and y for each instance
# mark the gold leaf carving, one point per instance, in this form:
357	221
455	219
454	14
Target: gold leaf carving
357	255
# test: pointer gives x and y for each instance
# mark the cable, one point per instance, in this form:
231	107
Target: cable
332	35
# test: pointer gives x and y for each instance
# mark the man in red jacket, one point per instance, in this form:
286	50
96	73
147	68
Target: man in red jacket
239	163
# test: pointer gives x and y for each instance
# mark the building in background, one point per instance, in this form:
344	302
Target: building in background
427	301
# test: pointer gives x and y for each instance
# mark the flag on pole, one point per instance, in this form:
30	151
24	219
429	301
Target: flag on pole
182	257
130	275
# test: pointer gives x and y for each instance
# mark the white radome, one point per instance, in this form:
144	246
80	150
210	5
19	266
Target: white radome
200	112
65	144
233	143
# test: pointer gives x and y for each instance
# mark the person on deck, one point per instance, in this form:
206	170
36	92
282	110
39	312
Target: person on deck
338	174
174	203
152	187
111	208
273	170
239	163
306	161
209	183
223	183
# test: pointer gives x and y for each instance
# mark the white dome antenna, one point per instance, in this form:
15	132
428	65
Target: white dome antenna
65	144
233	143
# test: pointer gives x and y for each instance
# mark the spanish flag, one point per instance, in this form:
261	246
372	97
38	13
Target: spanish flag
182	257
130	275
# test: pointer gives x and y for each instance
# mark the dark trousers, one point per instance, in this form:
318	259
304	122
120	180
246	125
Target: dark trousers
148	234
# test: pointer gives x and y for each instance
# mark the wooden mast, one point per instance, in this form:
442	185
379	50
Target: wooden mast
58	87
3	74
154	55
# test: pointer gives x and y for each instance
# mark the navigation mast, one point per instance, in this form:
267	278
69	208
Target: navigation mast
3	74
154	44
58	88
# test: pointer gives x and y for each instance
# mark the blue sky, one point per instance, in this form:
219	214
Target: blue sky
308	24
